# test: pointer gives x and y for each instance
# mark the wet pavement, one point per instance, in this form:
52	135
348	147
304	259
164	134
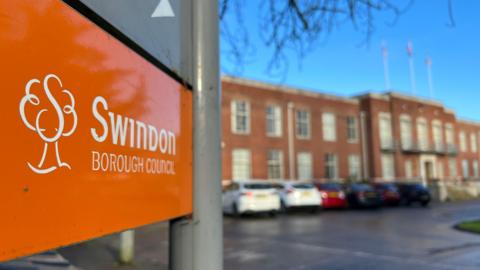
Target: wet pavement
392	238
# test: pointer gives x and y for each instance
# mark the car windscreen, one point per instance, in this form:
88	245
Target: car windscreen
258	186
361	187
330	187
303	186
388	187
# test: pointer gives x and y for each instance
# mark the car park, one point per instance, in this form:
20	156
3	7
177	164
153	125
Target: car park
414	193
361	195
298	195
389	193
333	195
250	197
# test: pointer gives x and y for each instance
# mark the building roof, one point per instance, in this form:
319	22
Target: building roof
355	99
286	89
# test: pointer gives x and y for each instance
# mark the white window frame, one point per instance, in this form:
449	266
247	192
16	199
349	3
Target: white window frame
452	168
462	138
354	167
449	135
473	143
331	165
422	133
235	114
437	135
465	168
273	115
385	130
352	129
305	166
275	162
406	131
329	127
388	167
241	166
475	168
299	122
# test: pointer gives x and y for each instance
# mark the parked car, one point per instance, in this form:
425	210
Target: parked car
389	193
301	195
333	195
414	192
249	197
361	195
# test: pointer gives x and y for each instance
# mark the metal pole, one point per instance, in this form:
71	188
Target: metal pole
197	243
428	61
412	75
207	215
127	247
386	72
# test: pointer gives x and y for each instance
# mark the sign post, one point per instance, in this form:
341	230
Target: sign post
197	243
97	118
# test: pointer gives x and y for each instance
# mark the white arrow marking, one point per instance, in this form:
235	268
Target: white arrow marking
164	9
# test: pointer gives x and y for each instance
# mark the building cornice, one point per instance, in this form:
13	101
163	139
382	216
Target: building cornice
286	89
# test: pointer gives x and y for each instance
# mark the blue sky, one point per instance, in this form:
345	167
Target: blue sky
340	66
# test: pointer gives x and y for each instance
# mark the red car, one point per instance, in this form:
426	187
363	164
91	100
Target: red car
333	195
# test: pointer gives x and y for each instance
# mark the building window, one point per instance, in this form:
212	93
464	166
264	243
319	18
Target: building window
241	164
385	128
406	131
331	170
275	164
352	129
452	167
422	133
465	169
408	169
329	127
354	167
303	124
473	142
240	117
274	121
437	135
475	168
388	167
463	141
304	164
449	137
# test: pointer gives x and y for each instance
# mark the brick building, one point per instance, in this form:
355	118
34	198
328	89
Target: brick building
276	132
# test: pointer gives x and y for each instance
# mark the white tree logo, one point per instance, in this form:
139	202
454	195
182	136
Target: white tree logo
68	110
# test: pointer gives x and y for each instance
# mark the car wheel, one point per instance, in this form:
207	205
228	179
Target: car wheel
273	214
424	203
314	210
283	207
235	210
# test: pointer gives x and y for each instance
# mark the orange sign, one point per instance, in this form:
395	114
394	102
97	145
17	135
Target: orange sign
95	139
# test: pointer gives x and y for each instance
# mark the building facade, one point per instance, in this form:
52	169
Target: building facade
275	132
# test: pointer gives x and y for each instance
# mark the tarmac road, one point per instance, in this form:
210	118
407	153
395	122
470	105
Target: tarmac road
391	238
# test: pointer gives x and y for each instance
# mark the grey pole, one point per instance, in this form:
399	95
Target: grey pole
197	243
127	247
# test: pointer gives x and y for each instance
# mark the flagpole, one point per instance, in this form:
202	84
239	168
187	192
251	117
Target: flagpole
386	71
428	62
412	68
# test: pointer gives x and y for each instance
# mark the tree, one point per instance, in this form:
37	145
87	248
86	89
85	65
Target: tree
62	112
299	25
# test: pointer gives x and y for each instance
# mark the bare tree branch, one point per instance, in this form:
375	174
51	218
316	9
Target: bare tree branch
300	25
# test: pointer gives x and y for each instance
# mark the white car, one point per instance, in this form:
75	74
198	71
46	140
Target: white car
295	194
244	197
